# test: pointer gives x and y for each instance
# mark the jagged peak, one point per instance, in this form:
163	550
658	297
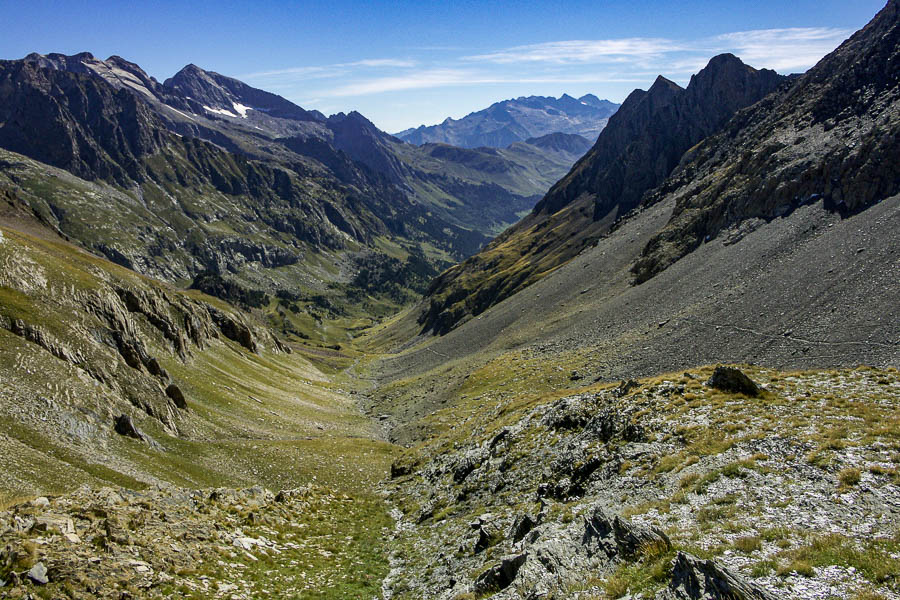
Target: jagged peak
661	84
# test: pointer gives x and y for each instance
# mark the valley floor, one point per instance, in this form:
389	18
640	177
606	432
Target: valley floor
522	472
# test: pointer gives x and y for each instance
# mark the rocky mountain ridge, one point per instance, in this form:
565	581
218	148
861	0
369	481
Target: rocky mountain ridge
832	135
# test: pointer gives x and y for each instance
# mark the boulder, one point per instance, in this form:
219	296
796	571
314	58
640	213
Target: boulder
618	538
156	369
523	524
125	426
177	396
732	380
54	523
500	575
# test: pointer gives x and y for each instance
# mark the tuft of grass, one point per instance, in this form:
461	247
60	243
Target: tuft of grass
649	573
750	543
876	560
849	477
763	568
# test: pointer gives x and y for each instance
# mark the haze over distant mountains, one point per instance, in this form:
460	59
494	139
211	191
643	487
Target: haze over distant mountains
518	119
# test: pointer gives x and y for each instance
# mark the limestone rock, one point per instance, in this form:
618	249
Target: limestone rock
501	575
55	523
38	574
696	579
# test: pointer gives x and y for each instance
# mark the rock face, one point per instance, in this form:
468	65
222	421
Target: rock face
830	137
640	147
645	139
76	122
208	90
509	121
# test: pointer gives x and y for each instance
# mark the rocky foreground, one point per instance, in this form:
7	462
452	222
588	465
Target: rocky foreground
712	483
680	486
176	543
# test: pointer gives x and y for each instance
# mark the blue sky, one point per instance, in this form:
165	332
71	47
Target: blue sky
407	63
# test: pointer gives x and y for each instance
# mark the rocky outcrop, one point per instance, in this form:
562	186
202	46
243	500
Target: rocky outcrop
534	501
697	579
500	576
34	333
233	329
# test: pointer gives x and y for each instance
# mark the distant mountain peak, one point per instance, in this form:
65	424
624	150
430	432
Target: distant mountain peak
516	120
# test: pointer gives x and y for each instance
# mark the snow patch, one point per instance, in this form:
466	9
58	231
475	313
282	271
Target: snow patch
220	111
241	109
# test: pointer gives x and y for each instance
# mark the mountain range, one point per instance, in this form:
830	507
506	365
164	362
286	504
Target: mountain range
518	119
280	175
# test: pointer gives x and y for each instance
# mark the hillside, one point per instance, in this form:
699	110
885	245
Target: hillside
509	121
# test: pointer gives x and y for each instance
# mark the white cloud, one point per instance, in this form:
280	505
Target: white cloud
334	70
428	78
437	78
796	48
782	49
581	51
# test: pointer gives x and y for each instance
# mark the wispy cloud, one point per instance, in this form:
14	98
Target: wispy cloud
437	78
780	49
608	67
795	48
426	78
334	70
581	51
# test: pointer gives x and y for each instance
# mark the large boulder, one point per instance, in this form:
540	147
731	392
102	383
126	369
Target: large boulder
732	380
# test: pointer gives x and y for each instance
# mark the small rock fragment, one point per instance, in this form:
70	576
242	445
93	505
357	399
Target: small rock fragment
38	574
